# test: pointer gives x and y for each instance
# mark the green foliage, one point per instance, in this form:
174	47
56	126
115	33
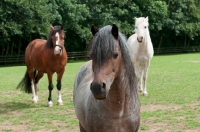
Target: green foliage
172	23
184	17
74	19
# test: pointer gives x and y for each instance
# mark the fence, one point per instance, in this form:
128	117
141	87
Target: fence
173	50
19	59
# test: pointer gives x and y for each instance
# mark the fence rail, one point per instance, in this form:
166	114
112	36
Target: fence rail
172	50
19	59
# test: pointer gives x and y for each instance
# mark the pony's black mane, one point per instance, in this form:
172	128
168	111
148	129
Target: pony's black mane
49	43
101	50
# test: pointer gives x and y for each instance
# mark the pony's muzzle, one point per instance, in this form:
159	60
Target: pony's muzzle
58	49
139	39
98	90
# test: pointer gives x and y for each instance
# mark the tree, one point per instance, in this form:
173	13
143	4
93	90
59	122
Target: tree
74	19
22	21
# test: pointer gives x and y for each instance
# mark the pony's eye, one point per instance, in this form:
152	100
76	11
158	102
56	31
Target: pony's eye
115	55
135	27
145	26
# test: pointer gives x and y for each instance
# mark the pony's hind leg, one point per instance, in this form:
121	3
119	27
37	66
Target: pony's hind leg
37	78
32	78
34	93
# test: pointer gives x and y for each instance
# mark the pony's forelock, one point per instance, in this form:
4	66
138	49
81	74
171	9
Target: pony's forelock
102	45
59	29
140	20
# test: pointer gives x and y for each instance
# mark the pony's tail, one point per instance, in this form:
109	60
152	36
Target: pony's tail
25	84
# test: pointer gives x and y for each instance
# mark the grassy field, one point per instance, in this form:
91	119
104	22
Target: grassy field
173	103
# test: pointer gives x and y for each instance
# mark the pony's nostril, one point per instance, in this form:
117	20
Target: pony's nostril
141	37
91	87
103	86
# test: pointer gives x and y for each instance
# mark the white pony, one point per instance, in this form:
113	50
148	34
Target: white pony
141	51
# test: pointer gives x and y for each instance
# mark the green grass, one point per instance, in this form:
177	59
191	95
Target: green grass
19	114
174	93
172	104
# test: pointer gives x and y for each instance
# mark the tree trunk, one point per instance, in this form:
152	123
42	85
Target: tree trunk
188	45
7	49
185	42
12	47
19	47
2	50
160	43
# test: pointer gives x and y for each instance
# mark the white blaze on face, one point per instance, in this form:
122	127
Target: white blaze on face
57	49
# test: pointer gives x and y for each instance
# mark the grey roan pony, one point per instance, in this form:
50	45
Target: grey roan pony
105	90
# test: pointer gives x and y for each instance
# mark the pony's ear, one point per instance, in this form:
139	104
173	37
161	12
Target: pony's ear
135	18
61	27
94	30
147	18
115	31
52	28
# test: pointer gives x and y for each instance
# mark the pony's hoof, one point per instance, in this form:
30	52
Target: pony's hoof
140	90
145	94
50	104
59	103
34	101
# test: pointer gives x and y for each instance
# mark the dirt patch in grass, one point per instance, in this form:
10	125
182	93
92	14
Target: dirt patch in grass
170	121
159	107
8	126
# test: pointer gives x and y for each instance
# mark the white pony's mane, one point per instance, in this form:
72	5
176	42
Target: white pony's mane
140	20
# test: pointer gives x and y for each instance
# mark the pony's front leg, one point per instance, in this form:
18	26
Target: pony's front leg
50	87
59	98
145	78
50	103
139	77
59	85
138	73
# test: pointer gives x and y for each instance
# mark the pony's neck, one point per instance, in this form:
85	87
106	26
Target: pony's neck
143	47
120	99
147	38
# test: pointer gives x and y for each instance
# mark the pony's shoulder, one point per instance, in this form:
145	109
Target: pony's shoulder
132	38
84	70
84	75
38	40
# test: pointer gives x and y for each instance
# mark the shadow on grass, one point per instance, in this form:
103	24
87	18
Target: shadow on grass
8	107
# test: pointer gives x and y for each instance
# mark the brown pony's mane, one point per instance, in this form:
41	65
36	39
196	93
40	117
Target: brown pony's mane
59	29
101	49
